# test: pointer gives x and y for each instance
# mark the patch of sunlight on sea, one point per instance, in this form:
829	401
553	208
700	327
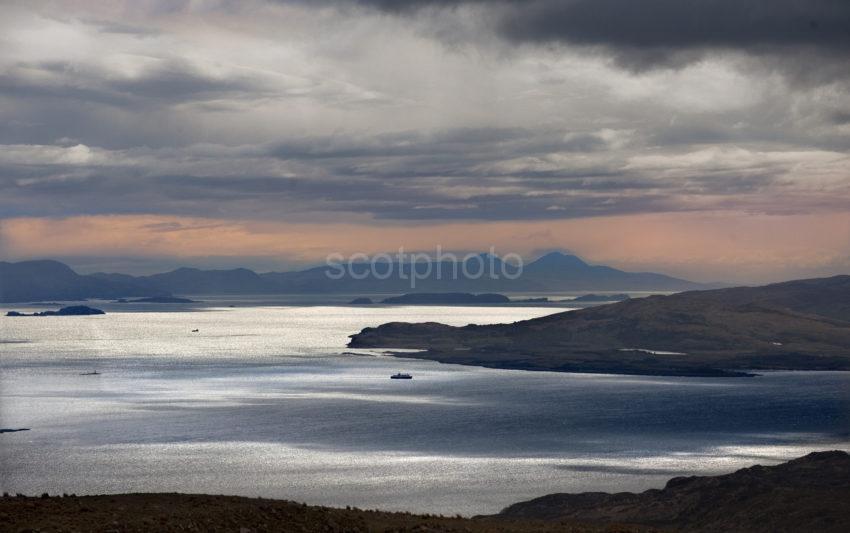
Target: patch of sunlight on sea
268	401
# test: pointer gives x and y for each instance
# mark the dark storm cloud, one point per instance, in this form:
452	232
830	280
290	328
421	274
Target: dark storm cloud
840	117
671	24
49	100
175	82
647	33
407	5
167	82
108	26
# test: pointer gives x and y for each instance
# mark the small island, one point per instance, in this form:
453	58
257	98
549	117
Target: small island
600	298
74	310
157	300
447	298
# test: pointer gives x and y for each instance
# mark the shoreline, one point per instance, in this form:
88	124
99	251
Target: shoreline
446	359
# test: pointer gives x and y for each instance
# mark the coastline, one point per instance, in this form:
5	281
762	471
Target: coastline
509	363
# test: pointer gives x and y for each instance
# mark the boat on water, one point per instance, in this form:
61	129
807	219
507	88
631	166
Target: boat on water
95	373
401	375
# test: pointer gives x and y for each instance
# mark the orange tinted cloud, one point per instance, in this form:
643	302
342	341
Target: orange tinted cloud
702	246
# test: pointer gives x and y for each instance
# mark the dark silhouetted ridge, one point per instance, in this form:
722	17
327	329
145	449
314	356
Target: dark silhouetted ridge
806	494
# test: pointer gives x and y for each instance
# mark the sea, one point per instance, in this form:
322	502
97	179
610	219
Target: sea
265	400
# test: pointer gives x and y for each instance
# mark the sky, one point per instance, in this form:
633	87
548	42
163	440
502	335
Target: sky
706	139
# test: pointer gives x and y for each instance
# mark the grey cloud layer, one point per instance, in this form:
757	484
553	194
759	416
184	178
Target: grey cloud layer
280	110
491	174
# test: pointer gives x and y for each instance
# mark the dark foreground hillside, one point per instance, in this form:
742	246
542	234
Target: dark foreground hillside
203	513
804	495
808	494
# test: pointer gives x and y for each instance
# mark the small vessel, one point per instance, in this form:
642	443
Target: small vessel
95	373
401	375
194	331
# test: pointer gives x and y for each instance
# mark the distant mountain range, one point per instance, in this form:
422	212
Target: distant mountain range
555	272
51	280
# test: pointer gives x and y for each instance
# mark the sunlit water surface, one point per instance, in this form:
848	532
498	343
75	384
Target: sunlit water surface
267	401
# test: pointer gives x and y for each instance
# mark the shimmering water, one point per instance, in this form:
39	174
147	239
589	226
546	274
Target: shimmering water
265	401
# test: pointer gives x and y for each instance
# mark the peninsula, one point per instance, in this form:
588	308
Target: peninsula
796	325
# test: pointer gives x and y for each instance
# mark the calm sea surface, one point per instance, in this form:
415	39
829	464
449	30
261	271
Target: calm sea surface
267	401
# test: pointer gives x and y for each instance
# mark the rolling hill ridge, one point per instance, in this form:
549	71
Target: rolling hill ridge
796	325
